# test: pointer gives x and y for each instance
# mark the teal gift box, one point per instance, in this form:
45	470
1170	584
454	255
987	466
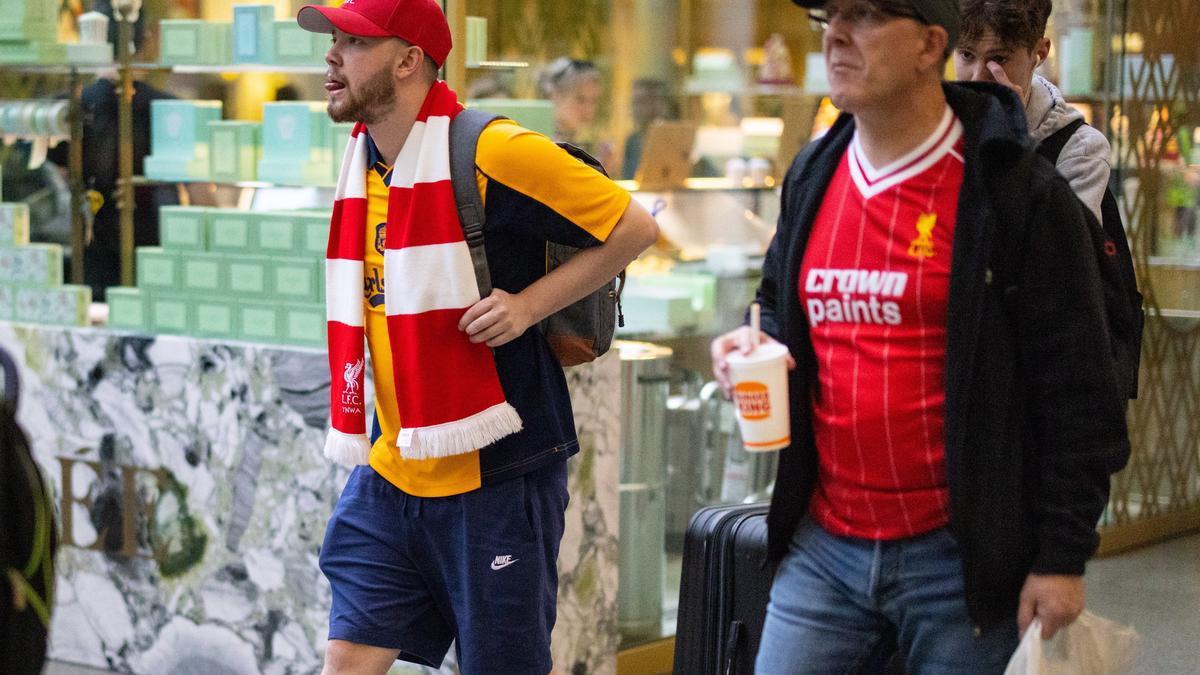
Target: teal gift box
35	264
127	308
202	273
297	279
183	228
235	150
339	138
247	276
253	37
315	234
169	314
192	42
14	224
278	233
159	268
305	324
260	322
533	114
29	20
7	302
40	53
65	305
179	139
232	231
312	230
213	318
295	46
295	148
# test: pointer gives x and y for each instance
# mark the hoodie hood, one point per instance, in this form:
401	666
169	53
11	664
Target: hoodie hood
1047	112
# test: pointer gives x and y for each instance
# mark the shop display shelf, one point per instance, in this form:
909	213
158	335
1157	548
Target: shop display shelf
251	184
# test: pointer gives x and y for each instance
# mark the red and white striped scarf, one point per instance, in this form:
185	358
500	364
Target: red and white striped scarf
447	390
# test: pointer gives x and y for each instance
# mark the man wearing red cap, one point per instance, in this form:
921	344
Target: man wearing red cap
449	526
955	418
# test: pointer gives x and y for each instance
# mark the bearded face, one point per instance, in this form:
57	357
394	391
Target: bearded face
365	101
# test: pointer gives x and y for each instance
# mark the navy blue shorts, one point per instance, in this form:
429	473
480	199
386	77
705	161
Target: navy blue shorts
413	573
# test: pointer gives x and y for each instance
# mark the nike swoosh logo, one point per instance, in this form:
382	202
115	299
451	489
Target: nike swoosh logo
502	565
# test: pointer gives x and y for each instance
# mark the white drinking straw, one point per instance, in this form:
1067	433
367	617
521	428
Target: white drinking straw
755	322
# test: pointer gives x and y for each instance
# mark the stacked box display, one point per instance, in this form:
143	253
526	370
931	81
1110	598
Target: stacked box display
31	275
224	273
253	39
14	224
127	308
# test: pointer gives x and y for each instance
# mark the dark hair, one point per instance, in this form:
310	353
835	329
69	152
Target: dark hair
1015	23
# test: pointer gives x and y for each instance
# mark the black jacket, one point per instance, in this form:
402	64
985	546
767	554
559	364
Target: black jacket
1034	421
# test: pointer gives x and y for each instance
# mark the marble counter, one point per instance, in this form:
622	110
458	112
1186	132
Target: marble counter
193	500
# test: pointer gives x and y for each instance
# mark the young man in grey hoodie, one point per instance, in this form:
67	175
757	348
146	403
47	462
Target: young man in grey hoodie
1003	41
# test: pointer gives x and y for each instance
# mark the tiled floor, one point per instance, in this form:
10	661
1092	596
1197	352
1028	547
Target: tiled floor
1156	590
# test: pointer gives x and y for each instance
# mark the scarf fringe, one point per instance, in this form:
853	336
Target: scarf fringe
347	449
462	436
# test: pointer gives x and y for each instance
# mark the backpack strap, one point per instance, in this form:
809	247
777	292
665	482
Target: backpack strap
1052	146
465	129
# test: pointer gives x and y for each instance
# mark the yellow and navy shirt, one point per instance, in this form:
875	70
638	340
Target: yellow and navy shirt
533	192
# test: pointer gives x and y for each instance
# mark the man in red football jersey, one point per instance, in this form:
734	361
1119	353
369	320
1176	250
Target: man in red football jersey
953	429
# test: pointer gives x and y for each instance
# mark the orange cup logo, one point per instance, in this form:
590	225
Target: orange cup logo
753	400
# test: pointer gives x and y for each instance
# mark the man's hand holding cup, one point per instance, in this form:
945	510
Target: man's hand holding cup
752	370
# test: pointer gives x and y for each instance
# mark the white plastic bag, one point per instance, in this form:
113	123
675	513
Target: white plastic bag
1091	645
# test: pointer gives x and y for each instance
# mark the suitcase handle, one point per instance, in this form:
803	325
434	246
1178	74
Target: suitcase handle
731	646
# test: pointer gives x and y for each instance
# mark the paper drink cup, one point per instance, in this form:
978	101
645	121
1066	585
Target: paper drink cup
760	392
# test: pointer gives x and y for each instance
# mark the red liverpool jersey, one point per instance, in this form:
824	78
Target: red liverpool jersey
874	284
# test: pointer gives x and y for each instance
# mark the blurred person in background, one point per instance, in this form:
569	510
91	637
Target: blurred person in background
651	102
574	87
1004	41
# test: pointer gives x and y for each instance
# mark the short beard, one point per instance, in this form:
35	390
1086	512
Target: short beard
378	94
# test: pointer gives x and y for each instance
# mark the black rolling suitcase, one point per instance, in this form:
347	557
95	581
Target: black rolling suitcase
724	590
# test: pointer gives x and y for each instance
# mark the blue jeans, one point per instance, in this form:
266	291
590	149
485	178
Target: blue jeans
842	605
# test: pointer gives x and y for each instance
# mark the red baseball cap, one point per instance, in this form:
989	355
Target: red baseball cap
418	22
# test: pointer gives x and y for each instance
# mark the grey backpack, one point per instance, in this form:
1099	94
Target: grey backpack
577	333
